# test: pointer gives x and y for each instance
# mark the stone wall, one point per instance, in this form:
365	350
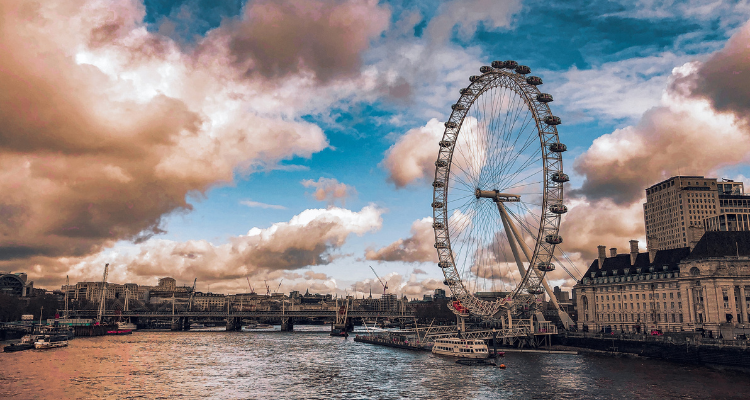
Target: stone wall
689	351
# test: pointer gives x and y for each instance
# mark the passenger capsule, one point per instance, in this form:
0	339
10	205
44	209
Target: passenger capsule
446	143
558	147
474	78
498	64
560	177
558	209
485	69
466	91
552	120
450	125
444	264
534	80
458	107
544	97
523	70
437	204
553	239
441	163
535	290
438	184
545	267
510	64
441	245
438	225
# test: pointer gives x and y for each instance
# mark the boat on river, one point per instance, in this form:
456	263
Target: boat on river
462	348
51	341
26	343
124	325
255	327
199	327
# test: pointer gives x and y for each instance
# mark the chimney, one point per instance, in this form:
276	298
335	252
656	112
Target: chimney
633	251
613	252
602	255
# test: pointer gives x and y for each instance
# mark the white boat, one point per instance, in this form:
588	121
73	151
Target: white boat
463	348
255	327
198	327
126	326
51	341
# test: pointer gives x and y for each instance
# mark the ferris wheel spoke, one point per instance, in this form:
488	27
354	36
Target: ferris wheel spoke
481	259
508	163
531	158
460	180
504	183
467	163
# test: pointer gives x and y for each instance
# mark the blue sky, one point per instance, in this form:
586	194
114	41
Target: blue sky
606	63
548	36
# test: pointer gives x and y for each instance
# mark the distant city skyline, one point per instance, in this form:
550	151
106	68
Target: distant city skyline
295	140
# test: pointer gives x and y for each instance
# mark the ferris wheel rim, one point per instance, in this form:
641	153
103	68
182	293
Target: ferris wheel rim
545	128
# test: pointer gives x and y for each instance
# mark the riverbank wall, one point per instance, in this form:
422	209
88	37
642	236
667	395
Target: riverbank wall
735	355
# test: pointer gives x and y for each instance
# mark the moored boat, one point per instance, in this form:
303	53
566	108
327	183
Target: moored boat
124	325
18	347
254	327
51	341
463	348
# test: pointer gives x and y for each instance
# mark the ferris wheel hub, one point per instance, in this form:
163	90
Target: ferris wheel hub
496	196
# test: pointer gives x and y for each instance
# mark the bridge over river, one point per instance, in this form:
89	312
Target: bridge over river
234	319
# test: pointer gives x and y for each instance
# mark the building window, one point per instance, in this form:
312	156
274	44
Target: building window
725	295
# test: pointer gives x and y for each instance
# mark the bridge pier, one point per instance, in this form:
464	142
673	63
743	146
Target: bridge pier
234	324
287	324
181	324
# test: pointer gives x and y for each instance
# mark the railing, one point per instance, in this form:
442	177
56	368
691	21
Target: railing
246	314
694	340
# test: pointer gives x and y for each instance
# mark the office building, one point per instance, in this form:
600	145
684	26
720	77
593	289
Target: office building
678	210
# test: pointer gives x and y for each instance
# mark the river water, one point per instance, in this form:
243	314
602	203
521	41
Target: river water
311	365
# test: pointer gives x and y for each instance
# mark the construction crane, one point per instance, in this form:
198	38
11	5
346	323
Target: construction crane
277	289
268	289
192	294
103	296
385	285
249	285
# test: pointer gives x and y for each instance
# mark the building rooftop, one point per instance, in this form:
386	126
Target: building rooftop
713	244
722	244
669	258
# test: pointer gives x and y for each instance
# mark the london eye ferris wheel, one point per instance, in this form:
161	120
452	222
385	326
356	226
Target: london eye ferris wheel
498	189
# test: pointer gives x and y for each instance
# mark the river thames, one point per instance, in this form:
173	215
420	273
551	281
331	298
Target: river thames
312	365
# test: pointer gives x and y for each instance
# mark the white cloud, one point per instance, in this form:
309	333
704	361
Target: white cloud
258	204
307	239
330	190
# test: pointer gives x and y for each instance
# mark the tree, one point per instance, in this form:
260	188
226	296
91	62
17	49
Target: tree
11	308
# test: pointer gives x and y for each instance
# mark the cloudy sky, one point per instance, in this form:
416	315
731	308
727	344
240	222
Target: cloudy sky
294	140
